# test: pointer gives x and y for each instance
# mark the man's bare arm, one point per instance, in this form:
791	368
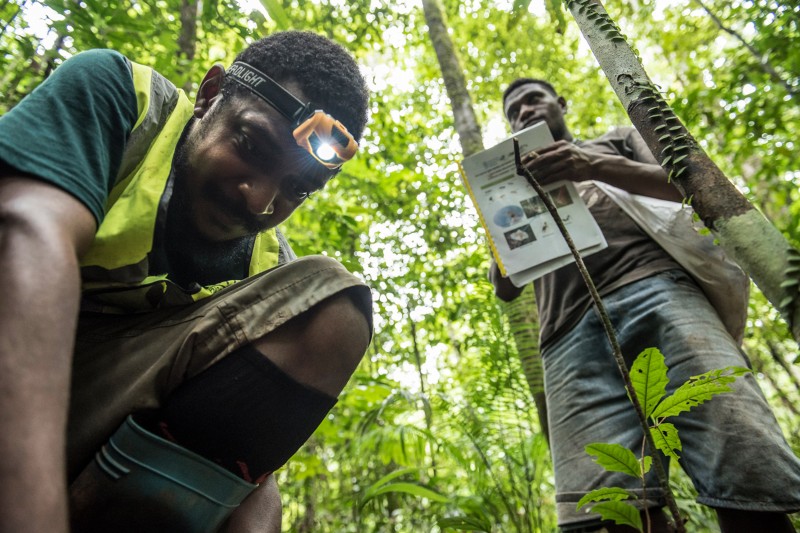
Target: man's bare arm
503	288
43	231
563	160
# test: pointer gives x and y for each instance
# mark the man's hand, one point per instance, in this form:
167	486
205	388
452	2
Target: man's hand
563	160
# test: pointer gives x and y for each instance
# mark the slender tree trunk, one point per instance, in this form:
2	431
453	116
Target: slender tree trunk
187	40
742	231
521	313
423	390
523	318
307	523
777	355
469	132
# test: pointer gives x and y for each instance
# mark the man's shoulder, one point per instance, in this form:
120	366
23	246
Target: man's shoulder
615	134
624	141
96	62
613	141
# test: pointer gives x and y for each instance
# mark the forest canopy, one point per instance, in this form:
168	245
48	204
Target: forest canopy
438	430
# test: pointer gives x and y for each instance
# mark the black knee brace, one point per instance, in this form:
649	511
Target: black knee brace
243	413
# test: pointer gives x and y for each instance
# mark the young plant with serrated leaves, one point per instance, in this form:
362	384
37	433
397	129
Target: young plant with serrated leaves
649	378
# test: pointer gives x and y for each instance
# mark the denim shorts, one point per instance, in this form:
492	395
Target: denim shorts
733	449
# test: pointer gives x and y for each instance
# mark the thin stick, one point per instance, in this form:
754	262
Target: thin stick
612	337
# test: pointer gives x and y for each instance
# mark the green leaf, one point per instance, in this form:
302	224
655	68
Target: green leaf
397	473
646	462
463	523
615	458
406	488
606	493
698	390
557	14
277	13
649	377
519	9
665	437
620	512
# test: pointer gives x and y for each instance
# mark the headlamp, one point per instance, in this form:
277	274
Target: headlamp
321	135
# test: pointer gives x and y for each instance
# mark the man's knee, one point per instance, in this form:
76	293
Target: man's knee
323	346
341	322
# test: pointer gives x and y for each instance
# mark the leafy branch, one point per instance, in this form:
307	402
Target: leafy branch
649	379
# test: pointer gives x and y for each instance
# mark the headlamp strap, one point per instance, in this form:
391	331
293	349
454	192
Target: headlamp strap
268	89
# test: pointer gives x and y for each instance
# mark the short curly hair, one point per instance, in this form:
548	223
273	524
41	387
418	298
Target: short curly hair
525	81
325	71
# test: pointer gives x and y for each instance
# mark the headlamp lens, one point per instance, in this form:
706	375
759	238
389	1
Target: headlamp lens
325	152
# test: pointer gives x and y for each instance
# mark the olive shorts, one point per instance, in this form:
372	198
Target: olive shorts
733	449
126	363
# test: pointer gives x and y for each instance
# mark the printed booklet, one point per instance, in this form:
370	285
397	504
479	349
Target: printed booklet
524	238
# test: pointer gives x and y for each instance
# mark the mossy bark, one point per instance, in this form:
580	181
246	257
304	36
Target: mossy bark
742	231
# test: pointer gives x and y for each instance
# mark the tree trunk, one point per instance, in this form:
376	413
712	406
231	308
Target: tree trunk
469	132
521	313
742	231
523	318
187	40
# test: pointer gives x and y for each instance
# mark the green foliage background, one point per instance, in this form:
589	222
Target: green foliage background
437	430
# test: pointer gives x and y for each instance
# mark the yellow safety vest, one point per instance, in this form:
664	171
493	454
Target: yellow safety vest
115	270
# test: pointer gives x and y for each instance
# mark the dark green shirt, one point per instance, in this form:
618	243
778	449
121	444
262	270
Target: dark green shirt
72	129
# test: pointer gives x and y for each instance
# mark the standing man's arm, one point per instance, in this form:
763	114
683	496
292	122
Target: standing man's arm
564	160
503	288
43	231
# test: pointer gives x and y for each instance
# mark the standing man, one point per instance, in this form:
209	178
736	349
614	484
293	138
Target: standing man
733	449
162	350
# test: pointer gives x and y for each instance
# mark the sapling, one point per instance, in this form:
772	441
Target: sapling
649	378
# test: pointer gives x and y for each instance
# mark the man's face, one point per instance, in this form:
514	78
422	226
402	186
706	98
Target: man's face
242	170
531	103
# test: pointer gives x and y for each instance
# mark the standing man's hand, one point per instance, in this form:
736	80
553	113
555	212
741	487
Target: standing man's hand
564	160
561	160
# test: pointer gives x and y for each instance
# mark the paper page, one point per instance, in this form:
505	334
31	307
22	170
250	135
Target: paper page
525	238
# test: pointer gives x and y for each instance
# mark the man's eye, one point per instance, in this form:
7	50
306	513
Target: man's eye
245	145
299	192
